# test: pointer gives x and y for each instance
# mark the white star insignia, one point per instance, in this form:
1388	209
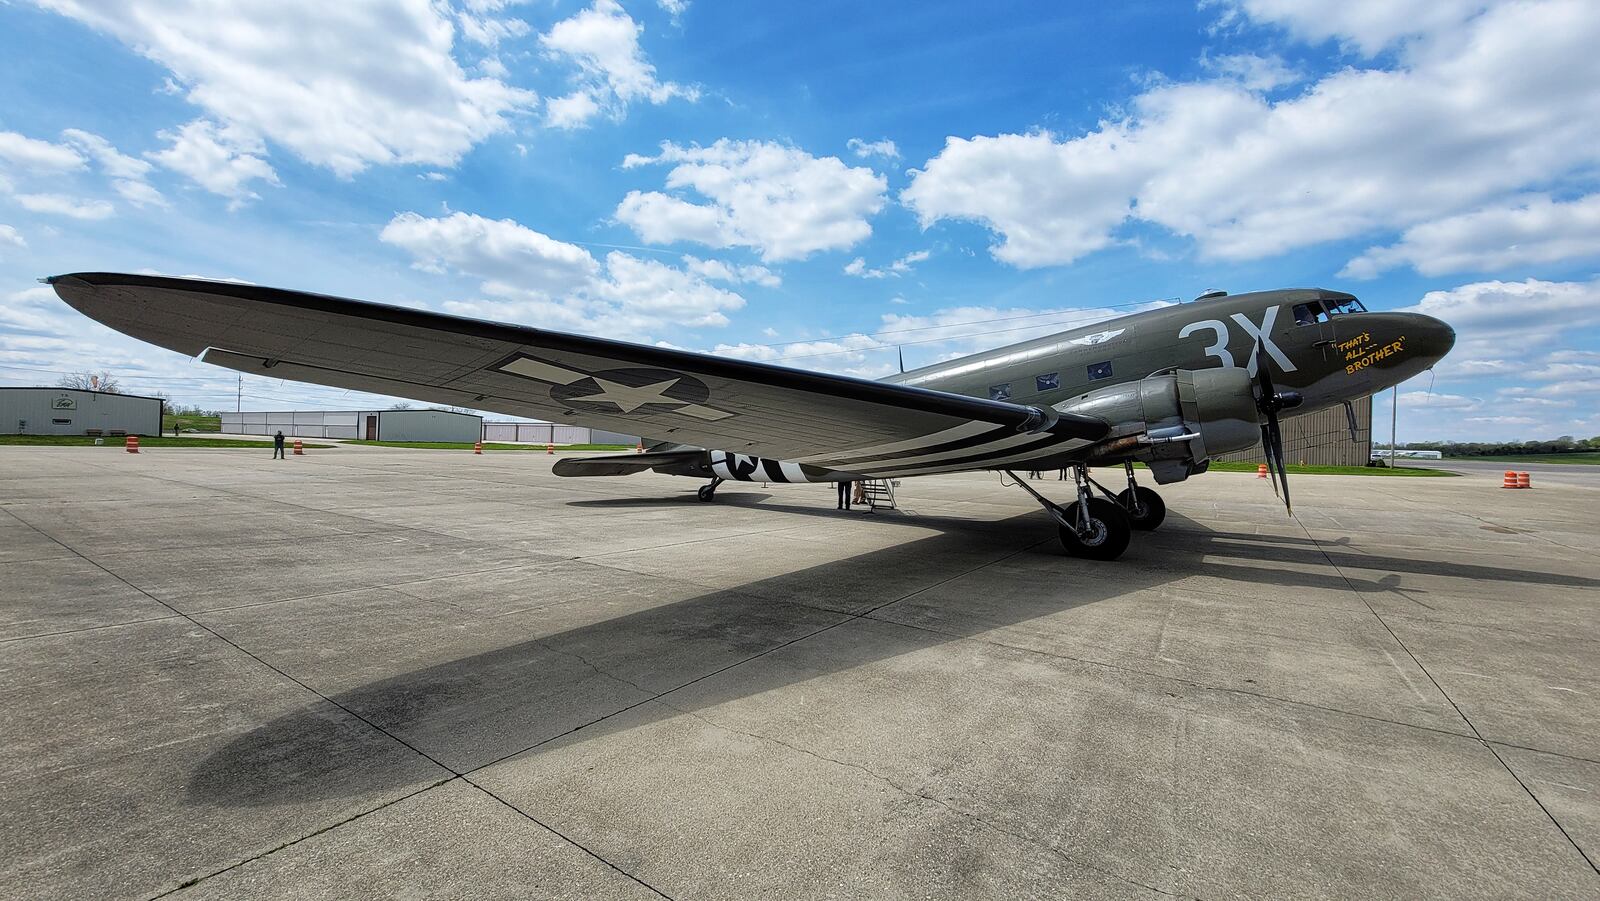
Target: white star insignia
628	398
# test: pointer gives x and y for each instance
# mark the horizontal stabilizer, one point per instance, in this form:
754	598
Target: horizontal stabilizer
681	462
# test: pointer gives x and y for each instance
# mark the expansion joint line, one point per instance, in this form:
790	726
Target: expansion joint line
454	773
1446	695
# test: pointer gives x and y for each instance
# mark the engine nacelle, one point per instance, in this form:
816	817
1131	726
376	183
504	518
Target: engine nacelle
1174	422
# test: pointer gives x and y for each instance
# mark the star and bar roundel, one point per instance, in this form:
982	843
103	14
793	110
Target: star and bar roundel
634	390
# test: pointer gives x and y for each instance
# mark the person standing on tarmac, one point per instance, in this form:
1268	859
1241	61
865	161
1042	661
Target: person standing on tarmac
844	495
277	446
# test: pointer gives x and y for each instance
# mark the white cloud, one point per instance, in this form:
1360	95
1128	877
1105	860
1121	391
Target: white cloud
858	266
1257	73
10	236
657	292
113	162
1502	327
500	250
847	355
127	173
603	42
717	270
1460	121
63	205
884	148
344	86
572	111
1439	401
33	155
780	200
674	8
1365	26
1538	230
530	277
222	160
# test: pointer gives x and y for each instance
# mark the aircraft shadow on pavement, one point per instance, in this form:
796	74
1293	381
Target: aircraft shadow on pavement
572	685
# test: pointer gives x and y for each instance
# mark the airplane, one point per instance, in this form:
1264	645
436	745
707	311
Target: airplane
1170	388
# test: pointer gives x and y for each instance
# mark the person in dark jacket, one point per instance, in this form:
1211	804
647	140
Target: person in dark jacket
844	495
277	446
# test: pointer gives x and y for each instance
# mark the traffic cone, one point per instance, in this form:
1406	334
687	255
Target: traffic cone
133	444
1261	471
1523	481
298	450
477	447
1510	480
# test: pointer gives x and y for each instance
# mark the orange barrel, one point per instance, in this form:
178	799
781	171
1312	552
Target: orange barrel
1510	480
1523	481
550	448
298	450
1261	471
133	444
640	448
477	447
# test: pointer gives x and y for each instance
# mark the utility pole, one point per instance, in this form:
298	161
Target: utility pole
1394	417
238	397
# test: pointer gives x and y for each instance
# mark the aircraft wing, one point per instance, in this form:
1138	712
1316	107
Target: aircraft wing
688	398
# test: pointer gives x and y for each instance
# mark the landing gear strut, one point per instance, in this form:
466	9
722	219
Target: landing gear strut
1091	527
707	492
1144	507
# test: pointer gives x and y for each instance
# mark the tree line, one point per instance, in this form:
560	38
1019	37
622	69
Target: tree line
1566	444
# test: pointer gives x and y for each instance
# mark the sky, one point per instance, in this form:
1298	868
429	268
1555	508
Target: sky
826	185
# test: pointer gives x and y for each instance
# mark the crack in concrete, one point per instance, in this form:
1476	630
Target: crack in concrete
914	793
370	724
1489	746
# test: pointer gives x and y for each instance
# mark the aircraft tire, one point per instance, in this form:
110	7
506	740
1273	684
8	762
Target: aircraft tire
1155	509
706	493
1110	531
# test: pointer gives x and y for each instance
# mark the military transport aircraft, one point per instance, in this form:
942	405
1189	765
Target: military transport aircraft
1170	388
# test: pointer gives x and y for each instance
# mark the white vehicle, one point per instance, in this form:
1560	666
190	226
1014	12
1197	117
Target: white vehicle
1408	454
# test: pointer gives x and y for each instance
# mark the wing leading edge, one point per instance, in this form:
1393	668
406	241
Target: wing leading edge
685	397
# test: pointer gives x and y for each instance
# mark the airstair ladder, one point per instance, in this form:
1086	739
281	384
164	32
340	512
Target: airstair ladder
879	493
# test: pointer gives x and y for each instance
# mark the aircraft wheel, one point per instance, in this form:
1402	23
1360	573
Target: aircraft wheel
706	492
1151	508
1108	536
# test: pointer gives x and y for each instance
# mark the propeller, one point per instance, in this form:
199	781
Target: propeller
1269	402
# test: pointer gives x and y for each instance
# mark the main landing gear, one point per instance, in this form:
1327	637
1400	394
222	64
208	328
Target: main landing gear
707	492
1099	528
1144	507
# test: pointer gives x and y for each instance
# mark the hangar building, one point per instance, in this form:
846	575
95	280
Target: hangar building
70	411
1321	439
372	425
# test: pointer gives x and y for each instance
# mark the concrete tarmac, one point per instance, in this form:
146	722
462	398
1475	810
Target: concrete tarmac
429	674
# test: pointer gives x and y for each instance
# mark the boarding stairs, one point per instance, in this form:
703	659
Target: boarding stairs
879	493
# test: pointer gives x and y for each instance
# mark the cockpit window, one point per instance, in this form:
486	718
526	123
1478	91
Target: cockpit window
1309	314
1348	305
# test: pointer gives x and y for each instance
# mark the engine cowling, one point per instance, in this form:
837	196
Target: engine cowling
1173	422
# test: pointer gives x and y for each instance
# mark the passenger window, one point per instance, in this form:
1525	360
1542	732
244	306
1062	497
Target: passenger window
1100	370
1049	382
1000	392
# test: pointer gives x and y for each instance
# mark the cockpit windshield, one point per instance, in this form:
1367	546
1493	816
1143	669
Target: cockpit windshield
1320	310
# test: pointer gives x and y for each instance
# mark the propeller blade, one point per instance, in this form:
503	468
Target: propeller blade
1272	459
1283	463
1269	402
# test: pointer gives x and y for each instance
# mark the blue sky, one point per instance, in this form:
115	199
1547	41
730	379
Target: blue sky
818	184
